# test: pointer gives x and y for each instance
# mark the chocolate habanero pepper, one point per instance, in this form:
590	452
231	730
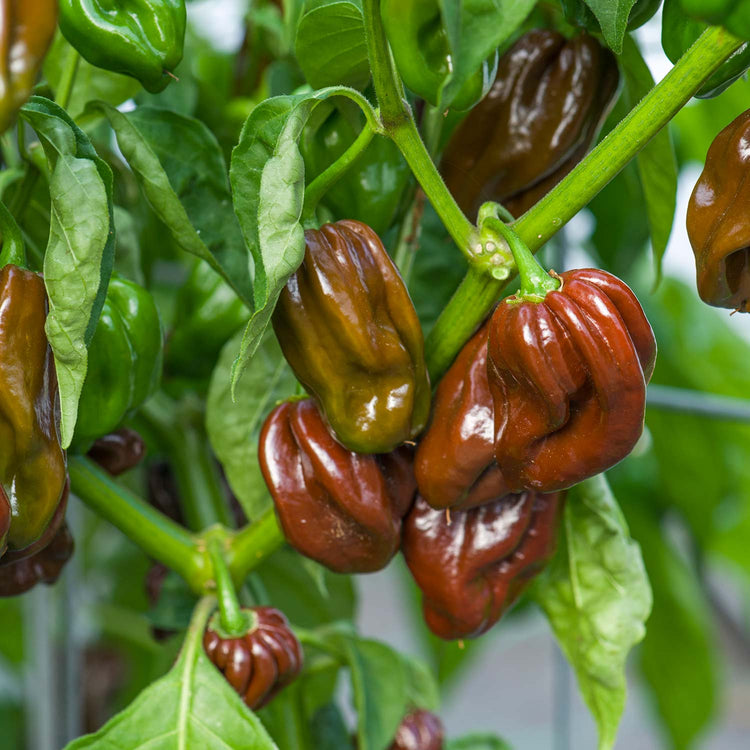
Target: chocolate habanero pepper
472	566
119	451
455	461
348	328
549	100
420	730
340	508
568	362
262	661
26	31
718	223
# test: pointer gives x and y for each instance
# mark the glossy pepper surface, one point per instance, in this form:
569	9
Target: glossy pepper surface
679	31
549	100
568	377
348	328
32	463
420	730
340	508
125	360
140	38
455	461
733	15
119	451
718	222
472	566
26	31
422	52
261	662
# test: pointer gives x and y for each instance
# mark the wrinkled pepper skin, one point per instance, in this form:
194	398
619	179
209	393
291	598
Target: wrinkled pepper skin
422	52
679	32
140	38
545	109
568	378
455	461
125	361
733	15
119	451
340	508
420	730
27	28
473	565
44	566
32	463
348	328
261	662
718	223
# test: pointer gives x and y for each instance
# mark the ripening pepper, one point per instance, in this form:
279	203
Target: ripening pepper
140	38
348	328
733	15
473	565
262	661
679	32
340	508
545	109
420	730
455	461
32	463
119	451
26	31
125	359
579	14
568	376
422	52
718	223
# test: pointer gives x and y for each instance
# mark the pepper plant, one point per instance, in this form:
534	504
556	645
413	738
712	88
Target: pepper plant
271	318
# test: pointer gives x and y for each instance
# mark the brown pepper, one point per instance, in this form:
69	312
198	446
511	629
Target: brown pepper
420	730
119	451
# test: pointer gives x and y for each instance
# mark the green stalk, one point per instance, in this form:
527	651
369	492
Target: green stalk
233	622
67	80
158	536
253	543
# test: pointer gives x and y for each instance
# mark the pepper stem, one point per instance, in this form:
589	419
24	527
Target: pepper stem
233	620
13	249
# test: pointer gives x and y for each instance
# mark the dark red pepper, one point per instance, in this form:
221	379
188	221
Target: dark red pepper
119	451
420	730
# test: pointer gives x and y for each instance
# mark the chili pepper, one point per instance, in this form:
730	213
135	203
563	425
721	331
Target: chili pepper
678	32
422	52
340	508
549	101
473	565
455	460
124	361
371	190
420	730
32	463
261	662
44	566
143	40
568	377
119	451
26	31
579	14
718	224
733	15
348	328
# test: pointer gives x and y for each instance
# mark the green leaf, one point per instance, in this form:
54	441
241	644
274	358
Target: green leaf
597	598
188	167
613	20
233	428
657	163
476	28
192	706
80	251
478	742
421	687
330	45
328	730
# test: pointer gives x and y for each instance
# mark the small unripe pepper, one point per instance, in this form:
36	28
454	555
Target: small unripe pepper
420	730
348	328
718	222
472	565
340	508
455	461
119	451
549	100
262	661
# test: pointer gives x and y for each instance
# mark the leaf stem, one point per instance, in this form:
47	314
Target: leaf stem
233	621
67	80
253	543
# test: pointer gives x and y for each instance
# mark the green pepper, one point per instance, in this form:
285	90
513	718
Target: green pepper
140	38
733	15
125	360
678	32
422	52
579	14
371	190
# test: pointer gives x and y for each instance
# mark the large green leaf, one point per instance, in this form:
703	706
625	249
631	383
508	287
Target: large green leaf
613	19
80	251
597	598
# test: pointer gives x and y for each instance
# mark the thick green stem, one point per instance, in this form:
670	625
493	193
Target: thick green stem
157	535
13	247
234	622
475	297
252	544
